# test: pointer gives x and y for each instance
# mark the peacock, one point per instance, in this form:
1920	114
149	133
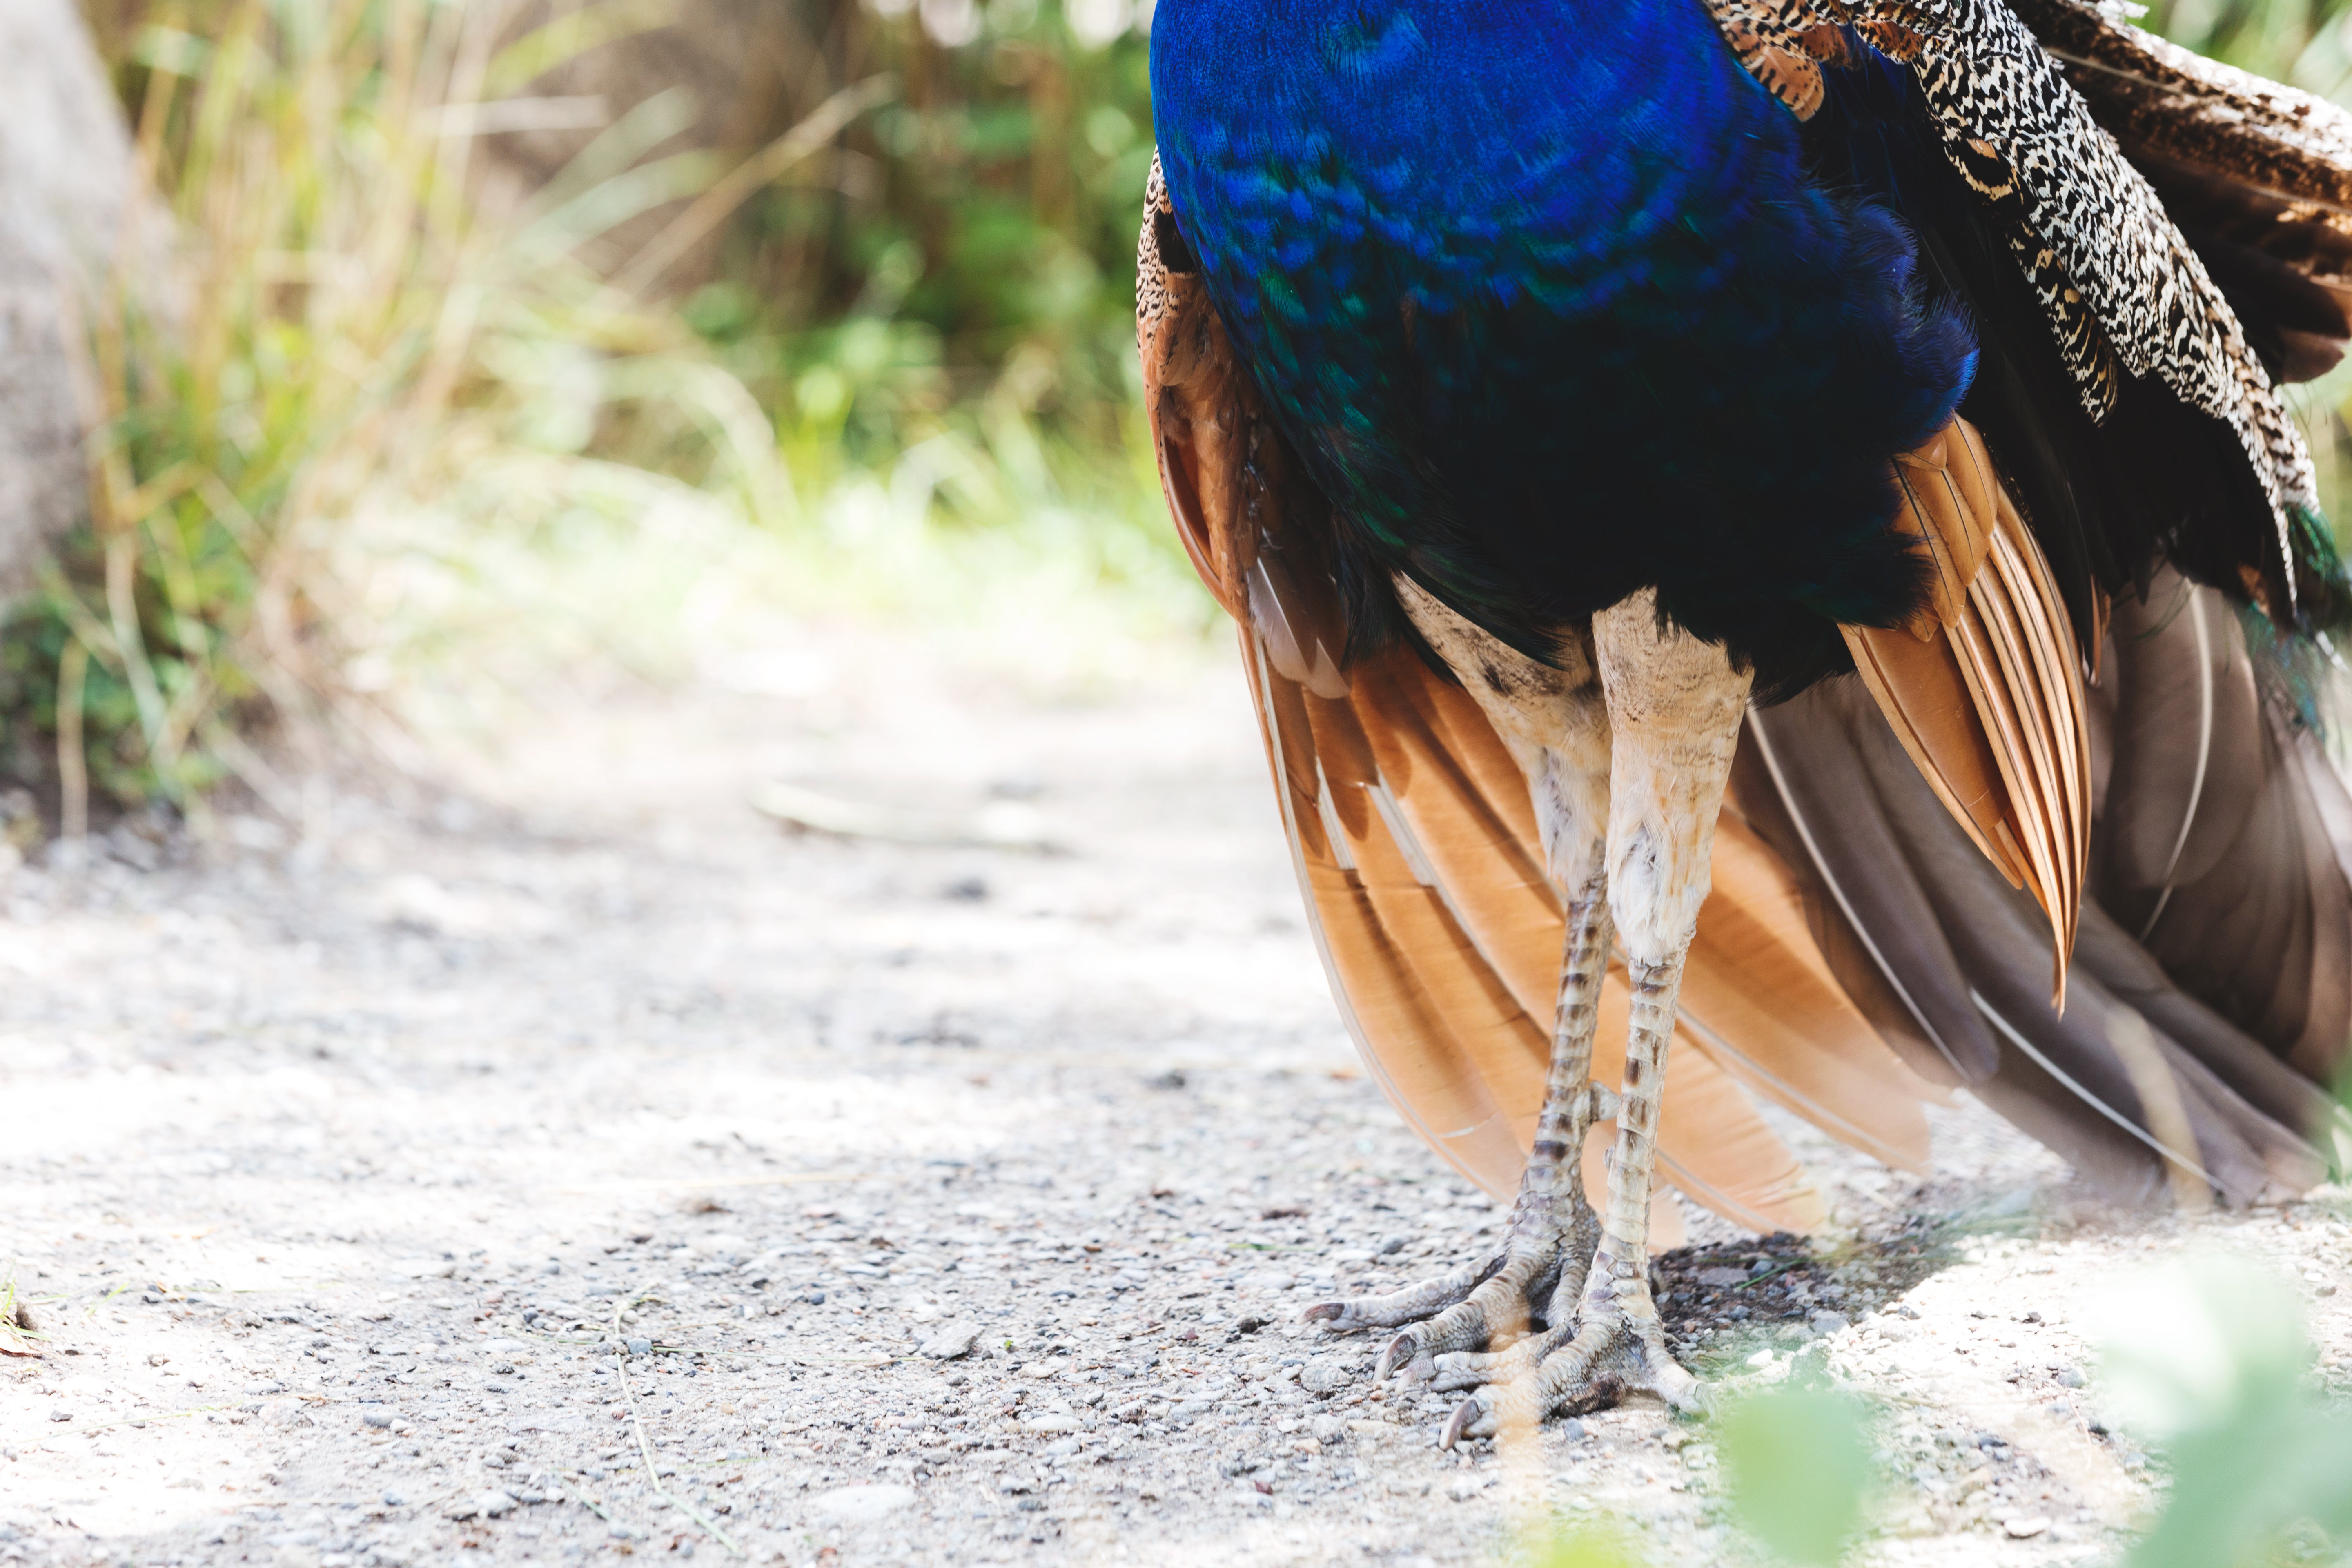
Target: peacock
1772	562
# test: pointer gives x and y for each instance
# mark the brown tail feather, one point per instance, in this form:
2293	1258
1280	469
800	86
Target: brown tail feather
2220	831
1869	914
1447	963
2072	1081
1760	999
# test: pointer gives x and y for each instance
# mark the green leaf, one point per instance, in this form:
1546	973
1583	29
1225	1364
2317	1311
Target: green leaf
1585	1546
1798	1464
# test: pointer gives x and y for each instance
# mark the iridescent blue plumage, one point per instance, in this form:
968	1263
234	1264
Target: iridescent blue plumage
1545	295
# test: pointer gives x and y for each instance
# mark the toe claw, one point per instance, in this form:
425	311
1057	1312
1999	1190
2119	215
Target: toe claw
1689	1397
1471	1418
1324	1311
1404	1357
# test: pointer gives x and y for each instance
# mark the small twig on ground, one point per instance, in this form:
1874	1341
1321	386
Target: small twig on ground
645	1449
591	1504
1772	1273
96	1426
1005	826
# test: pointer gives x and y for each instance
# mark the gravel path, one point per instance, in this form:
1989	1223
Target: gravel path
335	1169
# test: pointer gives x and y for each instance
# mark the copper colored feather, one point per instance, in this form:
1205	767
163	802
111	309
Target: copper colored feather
1982	687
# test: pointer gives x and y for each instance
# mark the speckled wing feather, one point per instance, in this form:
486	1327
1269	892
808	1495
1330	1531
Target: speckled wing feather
1416	847
2121	285
2255	165
1784	44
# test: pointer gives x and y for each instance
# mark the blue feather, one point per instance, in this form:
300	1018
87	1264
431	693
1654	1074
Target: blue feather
1545	297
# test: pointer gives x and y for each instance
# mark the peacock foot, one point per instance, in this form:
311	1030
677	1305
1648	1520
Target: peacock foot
1619	1349
1484	1319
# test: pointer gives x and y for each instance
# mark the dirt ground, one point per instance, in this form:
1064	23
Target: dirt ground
577	1164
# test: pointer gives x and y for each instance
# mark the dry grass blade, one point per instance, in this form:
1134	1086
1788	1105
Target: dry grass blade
718	203
645	1449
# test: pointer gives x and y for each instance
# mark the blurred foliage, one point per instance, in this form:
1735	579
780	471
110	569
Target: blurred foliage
1580	1546
360	427
971	245
2304	42
1797	1462
312	327
945	300
2205	1359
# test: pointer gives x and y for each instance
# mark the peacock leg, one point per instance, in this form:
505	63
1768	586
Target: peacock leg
1618	1347
1675	708
1552	719
1539	1270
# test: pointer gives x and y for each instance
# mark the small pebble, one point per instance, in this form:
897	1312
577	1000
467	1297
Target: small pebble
952	1341
489	1504
862	1504
1324	1374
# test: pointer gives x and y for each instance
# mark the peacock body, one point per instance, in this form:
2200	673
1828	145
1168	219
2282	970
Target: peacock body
1755	528
1554	309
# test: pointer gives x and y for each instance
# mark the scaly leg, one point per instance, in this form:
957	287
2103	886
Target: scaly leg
1540	1269
1552	1218
1675	708
1554	721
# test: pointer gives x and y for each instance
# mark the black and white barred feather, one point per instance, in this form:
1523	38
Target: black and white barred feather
2117	280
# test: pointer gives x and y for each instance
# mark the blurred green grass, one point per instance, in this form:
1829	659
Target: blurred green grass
377	452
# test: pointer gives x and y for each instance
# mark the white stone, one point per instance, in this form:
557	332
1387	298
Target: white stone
481	1505
953	1340
863	1504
